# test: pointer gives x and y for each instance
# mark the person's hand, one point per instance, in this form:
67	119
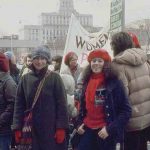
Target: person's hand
81	129
60	135
103	133
18	136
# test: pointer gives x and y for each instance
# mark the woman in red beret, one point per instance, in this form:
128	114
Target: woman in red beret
104	107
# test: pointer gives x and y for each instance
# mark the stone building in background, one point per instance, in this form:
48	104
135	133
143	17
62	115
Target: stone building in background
53	27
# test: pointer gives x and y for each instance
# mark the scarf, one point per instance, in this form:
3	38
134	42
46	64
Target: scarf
96	80
73	69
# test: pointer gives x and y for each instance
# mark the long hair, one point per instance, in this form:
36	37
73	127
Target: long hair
120	42
107	70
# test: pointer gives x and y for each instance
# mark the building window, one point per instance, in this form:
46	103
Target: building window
60	20
52	19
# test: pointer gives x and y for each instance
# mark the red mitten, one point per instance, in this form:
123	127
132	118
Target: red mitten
60	135
18	136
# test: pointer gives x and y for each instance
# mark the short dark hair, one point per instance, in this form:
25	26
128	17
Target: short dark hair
29	55
120	42
57	58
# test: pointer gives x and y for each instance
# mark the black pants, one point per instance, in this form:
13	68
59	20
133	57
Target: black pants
137	140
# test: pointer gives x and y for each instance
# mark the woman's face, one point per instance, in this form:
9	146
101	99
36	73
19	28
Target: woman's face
56	65
39	63
73	61
97	65
29	61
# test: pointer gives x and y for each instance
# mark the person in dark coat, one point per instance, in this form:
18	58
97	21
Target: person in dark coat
14	71
26	67
104	108
50	117
7	99
56	62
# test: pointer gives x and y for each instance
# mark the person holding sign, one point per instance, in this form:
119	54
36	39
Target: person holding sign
104	107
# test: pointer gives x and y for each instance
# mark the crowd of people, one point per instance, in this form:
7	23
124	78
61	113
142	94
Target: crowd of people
106	102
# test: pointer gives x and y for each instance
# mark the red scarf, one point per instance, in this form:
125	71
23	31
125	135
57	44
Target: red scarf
96	80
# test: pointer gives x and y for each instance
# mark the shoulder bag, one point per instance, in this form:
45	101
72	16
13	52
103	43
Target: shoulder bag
26	137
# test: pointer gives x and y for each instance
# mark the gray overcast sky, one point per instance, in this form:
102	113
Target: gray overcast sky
16	13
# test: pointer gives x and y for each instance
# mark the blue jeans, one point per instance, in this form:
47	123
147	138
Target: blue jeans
91	141
5	142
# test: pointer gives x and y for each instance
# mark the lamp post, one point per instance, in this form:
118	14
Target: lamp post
11	46
53	41
141	27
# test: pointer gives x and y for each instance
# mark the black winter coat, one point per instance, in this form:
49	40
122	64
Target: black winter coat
116	106
49	113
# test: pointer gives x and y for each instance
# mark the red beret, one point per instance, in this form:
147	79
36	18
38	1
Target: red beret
99	53
4	63
134	39
68	57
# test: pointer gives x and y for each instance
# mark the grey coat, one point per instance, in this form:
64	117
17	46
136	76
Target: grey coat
7	100
49	113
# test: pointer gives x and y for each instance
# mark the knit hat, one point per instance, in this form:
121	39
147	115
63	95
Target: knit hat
4	63
42	51
68	57
9	54
99	53
134	39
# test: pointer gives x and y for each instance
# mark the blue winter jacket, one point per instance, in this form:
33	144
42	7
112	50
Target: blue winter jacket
116	106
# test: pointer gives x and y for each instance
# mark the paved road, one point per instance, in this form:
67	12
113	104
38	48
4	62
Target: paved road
148	146
118	147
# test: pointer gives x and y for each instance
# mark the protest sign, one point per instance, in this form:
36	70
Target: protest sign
82	42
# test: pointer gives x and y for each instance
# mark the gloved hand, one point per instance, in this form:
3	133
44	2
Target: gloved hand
17	136
60	135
